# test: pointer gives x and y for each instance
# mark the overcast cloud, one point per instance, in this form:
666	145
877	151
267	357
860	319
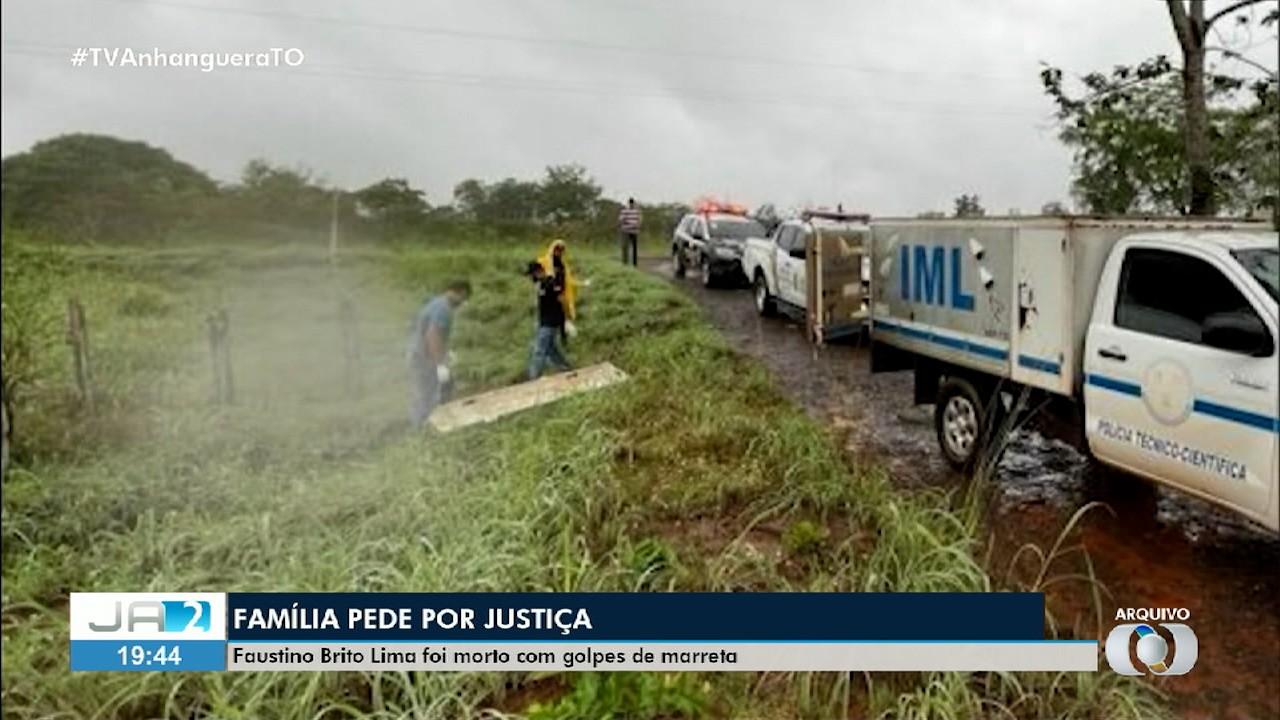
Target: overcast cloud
892	106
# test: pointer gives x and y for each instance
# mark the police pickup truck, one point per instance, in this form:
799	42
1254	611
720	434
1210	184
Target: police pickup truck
815	268
1155	339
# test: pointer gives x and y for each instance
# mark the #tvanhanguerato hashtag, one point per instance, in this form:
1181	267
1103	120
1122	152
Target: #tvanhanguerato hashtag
203	61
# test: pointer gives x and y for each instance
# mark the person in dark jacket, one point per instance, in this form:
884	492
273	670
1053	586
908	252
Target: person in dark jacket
555	261
551	322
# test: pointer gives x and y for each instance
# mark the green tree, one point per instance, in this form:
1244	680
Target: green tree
664	216
469	198
1192	27
1246	154
511	200
97	187
566	193
968	206
1128	134
392	204
1128	152
605	211
282	196
1197	121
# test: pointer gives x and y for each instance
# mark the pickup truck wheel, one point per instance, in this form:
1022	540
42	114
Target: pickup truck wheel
677	263
764	301
960	422
708	275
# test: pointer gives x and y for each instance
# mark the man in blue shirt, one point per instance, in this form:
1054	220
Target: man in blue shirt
429	349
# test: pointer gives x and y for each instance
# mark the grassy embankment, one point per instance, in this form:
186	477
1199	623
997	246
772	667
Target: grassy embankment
695	475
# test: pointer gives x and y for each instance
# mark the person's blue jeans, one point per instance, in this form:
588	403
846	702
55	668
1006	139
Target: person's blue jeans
546	351
426	390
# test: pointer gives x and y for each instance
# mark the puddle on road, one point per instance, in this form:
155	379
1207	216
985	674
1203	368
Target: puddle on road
1036	469
1182	552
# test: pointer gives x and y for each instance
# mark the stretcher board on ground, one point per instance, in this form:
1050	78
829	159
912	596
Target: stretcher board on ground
837	296
495	404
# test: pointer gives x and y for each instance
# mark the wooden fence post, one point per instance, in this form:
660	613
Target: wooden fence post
211	323
351	374
219	325
333	232
78	340
228	380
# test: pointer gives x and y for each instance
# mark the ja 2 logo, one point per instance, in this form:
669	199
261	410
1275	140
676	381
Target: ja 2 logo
167	616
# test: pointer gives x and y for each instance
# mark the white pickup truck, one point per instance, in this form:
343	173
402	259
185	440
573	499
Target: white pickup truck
816	267
1156	340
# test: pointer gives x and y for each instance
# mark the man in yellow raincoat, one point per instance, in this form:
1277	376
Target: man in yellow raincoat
555	263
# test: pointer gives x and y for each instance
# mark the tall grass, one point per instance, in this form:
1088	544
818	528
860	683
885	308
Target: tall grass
670	481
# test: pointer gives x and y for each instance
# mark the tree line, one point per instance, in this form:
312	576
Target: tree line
99	188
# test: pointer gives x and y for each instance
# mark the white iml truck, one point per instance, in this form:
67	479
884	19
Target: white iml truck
1154	340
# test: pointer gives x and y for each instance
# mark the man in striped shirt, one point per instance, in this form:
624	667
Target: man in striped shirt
629	228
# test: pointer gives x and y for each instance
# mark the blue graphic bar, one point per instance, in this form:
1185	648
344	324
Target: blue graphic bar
635	617
148	655
1204	407
1040	364
1237	415
956	343
1113	384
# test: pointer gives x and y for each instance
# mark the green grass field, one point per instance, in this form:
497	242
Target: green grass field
697	474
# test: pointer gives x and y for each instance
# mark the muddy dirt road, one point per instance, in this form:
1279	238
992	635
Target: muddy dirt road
1183	553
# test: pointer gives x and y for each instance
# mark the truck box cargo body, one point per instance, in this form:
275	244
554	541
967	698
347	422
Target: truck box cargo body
1009	297
1158	336
816	267
837	262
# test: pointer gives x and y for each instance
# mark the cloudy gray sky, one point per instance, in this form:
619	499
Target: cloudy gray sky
893	106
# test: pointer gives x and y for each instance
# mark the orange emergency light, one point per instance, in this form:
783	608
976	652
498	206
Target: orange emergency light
707	205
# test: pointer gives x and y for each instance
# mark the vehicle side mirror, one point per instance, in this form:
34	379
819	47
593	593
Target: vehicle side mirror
697	235
1237	332
798	253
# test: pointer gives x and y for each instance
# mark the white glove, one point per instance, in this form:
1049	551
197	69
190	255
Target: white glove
570	329
442	374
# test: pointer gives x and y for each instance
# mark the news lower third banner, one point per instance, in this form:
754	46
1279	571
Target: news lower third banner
745	632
